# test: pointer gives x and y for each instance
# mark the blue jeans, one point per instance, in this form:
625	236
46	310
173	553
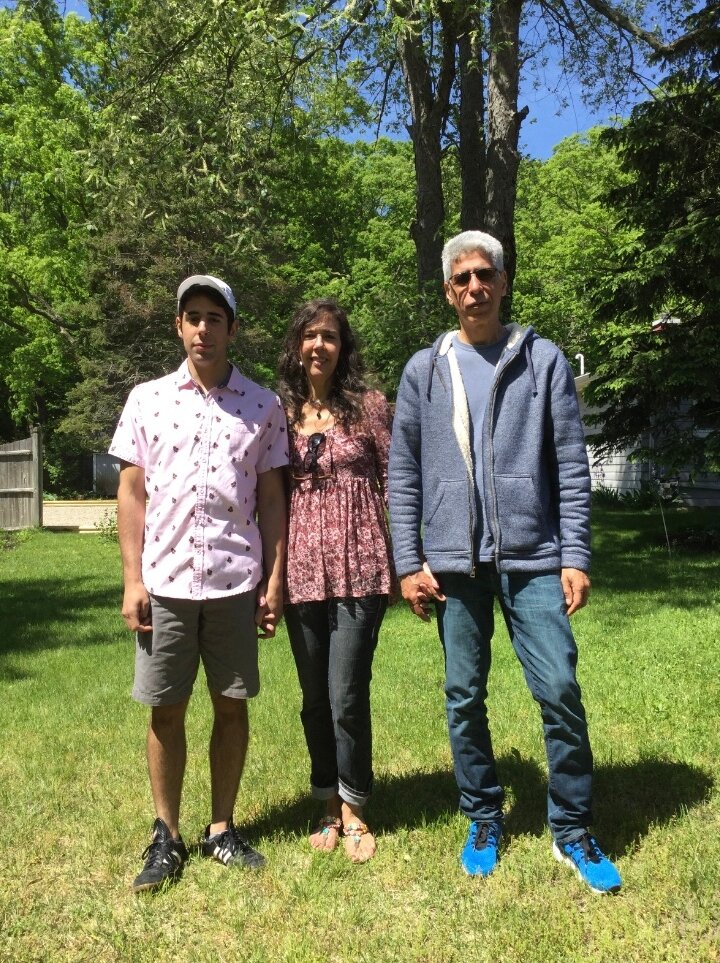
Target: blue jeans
333	643
534	610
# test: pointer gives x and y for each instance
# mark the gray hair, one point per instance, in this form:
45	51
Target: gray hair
469	242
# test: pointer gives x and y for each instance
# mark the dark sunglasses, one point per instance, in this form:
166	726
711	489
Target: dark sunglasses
315	448
483	275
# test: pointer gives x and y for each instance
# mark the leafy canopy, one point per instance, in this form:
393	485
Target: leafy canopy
660	387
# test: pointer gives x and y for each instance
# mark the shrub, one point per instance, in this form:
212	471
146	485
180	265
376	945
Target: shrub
107	526
647	495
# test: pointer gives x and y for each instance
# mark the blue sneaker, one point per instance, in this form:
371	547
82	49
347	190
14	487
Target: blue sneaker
590	863
480	853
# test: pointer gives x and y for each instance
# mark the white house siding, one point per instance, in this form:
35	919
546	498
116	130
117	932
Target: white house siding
614	471
618	472
702	492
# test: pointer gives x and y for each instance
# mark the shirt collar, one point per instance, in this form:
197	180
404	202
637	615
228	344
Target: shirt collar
234	382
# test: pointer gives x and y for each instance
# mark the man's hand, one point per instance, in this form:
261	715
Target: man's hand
136	608
576	588
268	610
419	589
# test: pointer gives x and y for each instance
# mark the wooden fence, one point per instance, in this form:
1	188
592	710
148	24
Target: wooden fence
21	482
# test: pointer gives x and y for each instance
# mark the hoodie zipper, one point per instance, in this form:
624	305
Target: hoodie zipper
436	367
491	413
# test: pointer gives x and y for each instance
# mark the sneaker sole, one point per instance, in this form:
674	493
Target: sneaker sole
478	874
562	858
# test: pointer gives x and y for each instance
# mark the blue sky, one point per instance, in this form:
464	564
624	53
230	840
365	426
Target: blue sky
547	124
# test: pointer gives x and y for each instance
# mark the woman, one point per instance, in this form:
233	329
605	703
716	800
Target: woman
338	566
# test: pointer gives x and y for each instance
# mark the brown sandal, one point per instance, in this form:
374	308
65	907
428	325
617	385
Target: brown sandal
353	834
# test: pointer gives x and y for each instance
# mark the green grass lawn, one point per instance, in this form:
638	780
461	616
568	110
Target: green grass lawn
75	806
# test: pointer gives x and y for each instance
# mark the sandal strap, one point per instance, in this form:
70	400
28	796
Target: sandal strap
356	830
327	823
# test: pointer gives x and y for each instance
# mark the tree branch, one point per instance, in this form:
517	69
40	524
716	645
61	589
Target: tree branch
389	70
26	301
621	20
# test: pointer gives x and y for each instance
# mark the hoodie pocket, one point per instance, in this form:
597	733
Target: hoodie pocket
522	525
446	522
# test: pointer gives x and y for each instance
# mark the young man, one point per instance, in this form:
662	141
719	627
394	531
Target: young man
488	455
201	521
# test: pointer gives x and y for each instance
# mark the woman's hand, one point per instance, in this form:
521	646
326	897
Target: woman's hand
420	589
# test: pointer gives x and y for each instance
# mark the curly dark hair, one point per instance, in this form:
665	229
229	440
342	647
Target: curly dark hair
348	386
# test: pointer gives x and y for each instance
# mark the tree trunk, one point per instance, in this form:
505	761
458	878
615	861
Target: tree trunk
504	122
429	110
471	127
426	228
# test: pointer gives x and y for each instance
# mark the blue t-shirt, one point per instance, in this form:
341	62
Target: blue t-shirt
477	364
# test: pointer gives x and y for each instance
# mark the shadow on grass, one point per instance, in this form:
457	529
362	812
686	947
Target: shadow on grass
41	614
9	673
630	797
668	582
629	556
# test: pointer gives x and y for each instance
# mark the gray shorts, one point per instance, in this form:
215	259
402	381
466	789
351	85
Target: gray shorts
221	632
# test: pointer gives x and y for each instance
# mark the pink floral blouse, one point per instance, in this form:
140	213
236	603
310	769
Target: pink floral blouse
338	542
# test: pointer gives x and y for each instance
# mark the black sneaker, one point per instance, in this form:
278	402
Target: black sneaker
165	859
228	847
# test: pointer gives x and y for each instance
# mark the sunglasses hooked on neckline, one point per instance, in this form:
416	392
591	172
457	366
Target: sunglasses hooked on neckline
315	448
316	445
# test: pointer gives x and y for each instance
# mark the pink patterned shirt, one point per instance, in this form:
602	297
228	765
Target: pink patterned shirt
338	542
202	455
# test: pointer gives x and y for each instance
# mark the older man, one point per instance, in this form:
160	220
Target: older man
490	498
201	520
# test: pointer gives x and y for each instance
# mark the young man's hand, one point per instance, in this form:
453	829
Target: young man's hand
272	522
268	610
136	608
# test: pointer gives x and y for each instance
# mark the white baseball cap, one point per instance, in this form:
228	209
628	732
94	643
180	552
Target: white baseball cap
208	281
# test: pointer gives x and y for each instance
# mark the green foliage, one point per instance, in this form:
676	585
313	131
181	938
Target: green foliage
155	139
12	539
180	173
659	388
209	160
566	238
379	283
646	495
44	124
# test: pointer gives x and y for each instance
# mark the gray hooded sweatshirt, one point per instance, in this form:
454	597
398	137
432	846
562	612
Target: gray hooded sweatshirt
535	467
